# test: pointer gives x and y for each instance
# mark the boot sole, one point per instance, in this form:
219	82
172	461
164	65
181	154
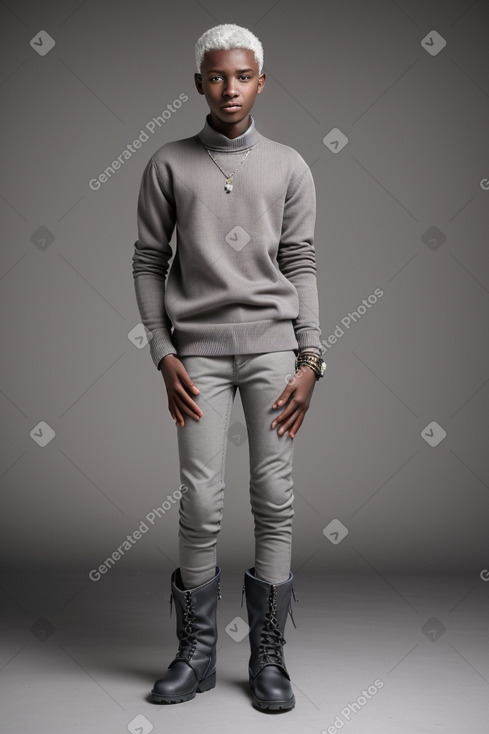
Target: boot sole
205	685
273	705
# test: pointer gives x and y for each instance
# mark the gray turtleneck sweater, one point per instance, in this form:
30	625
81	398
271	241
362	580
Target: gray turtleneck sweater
243	278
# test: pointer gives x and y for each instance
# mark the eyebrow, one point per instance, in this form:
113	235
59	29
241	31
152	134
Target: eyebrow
219	71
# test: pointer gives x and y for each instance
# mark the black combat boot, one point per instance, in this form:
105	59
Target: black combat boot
193	670
267	606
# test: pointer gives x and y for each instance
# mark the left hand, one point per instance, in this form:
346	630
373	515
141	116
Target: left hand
299	389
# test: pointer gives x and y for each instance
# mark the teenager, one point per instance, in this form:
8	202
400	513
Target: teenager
238	309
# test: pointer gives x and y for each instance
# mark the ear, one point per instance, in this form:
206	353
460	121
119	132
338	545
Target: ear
198	83
261	83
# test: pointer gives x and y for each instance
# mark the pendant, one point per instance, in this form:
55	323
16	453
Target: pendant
228	186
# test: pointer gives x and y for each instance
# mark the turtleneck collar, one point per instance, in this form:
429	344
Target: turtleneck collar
218	141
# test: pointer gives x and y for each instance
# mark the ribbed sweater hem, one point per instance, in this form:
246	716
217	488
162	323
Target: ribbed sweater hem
234	339
245	338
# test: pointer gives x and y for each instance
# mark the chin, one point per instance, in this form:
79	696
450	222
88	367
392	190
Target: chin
235	118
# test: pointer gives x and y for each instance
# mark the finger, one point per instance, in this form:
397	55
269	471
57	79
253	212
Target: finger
287	422
282	399
175	414
291	420
187	409
296	426
186	380
286	413
285	427
182	406
179	417
187	383
186	403
281	418
284	395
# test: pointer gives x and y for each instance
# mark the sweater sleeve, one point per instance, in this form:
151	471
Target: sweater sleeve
152	252
297	258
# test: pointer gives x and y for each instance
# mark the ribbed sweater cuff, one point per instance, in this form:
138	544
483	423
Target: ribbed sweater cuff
314	350
160	345
308	339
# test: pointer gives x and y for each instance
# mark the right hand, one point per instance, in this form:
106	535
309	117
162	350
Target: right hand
177	381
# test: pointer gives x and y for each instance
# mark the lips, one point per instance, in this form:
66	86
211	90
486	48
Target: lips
232	107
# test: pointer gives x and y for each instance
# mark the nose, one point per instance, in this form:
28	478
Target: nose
229	88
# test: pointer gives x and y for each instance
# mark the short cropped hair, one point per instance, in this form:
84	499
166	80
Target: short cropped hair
228	36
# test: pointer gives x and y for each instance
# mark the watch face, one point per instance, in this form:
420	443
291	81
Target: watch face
323	368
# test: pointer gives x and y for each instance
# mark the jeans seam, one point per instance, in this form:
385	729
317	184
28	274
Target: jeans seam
232	390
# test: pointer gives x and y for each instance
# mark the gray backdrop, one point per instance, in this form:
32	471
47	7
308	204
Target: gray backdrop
394	447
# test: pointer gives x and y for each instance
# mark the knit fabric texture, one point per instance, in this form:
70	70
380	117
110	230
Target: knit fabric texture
243	275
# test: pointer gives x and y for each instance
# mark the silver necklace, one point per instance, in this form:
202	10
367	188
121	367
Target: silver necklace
228	186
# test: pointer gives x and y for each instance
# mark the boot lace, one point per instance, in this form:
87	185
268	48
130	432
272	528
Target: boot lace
272	640
187	640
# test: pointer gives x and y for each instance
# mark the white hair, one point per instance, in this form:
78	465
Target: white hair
228	36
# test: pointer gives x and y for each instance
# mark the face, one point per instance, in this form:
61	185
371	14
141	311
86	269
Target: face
230	81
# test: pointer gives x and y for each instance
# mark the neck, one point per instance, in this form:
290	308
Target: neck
230	130
217	140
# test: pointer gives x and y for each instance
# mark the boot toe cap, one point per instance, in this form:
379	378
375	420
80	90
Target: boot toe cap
179	680
272	688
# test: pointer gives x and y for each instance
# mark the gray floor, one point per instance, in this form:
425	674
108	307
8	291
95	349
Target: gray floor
81	656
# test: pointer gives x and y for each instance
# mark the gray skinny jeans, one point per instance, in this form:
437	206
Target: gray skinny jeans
202	448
